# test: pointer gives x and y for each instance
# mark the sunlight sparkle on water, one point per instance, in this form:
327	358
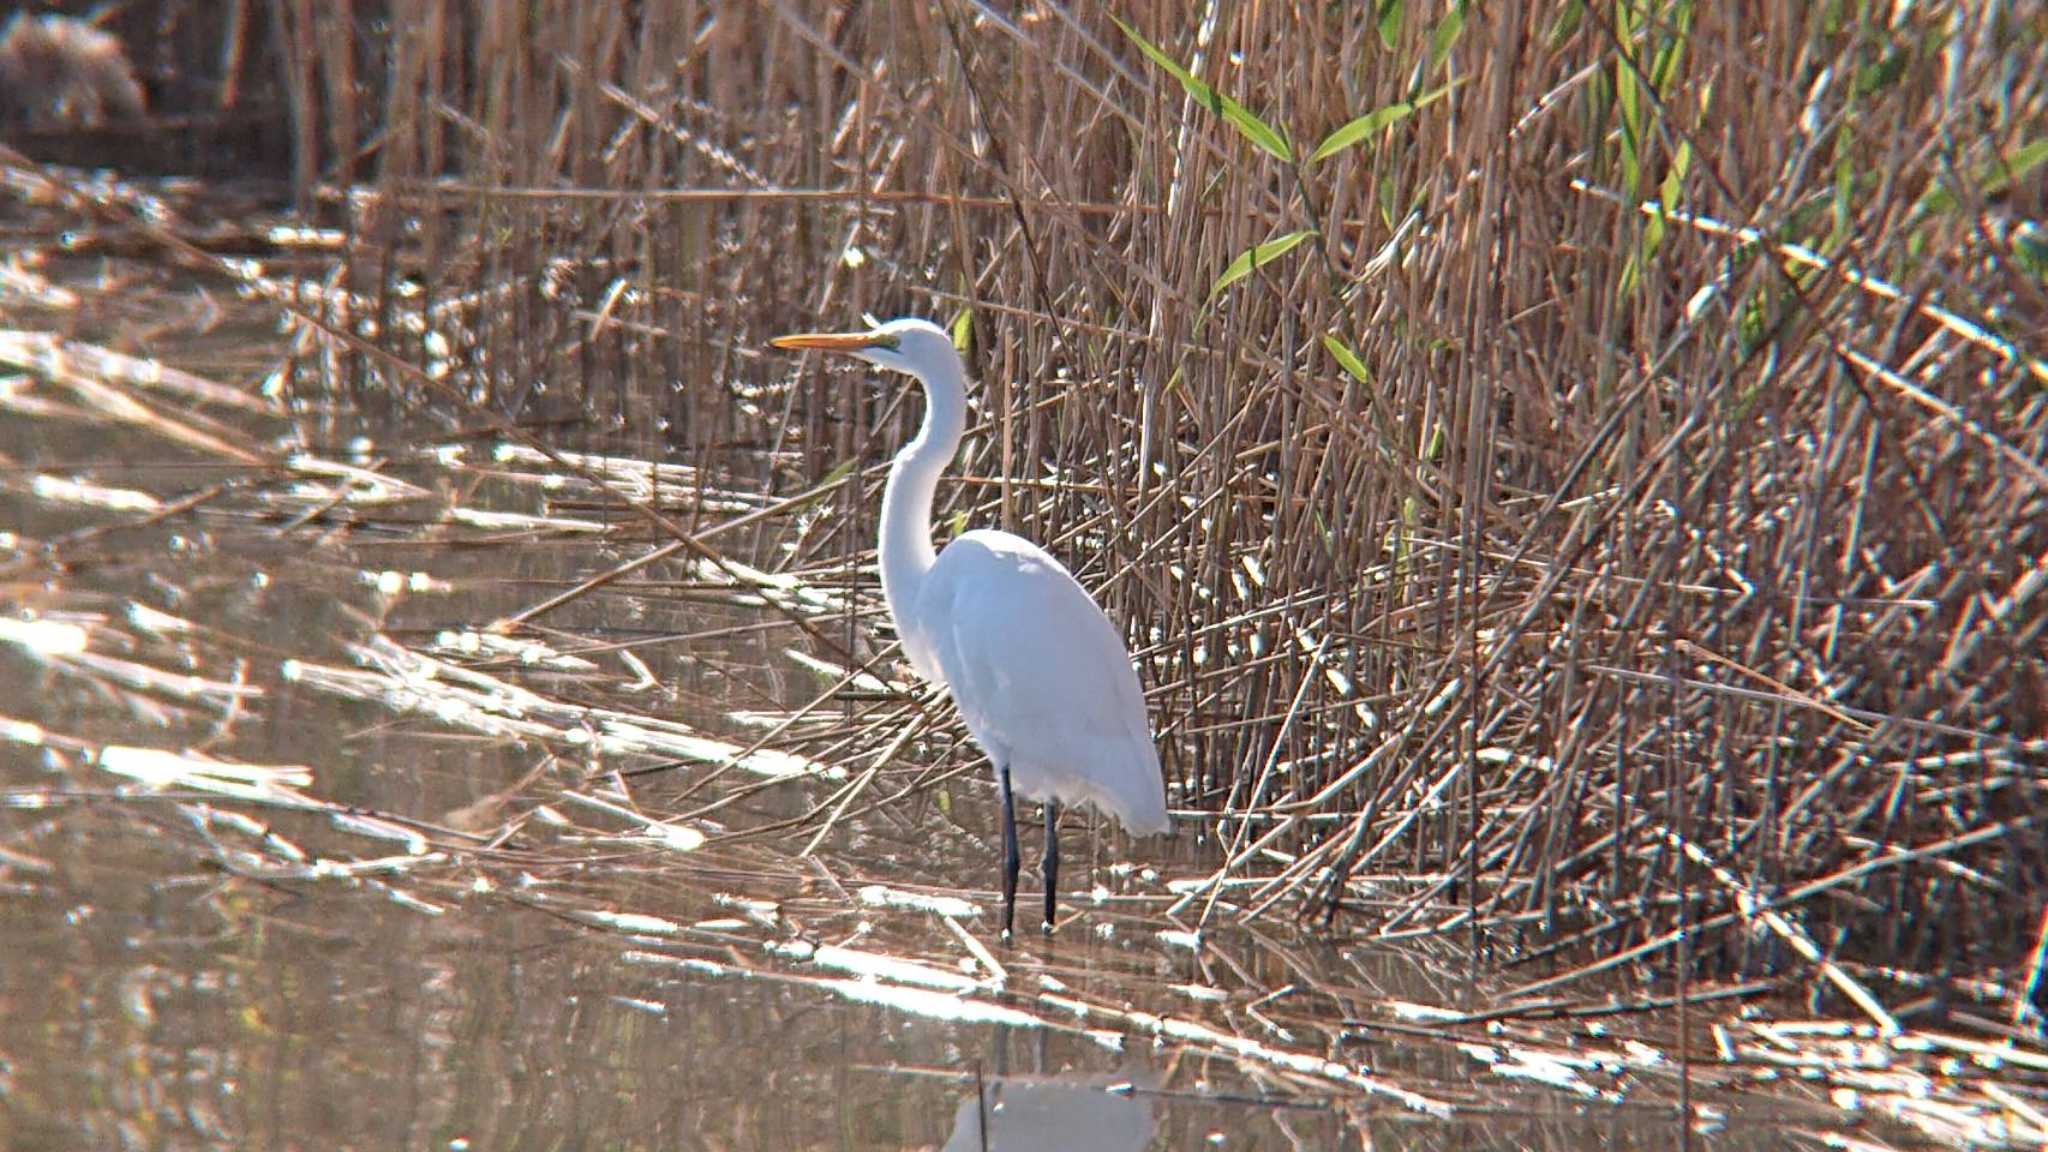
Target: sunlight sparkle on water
45	638
883	896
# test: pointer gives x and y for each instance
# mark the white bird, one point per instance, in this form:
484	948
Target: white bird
1039	674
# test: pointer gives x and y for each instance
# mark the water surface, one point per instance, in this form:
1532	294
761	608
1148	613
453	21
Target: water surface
294	853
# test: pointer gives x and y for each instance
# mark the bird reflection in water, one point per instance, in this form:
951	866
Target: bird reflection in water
1113	1112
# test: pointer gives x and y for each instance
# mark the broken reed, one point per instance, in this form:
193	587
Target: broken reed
1599	487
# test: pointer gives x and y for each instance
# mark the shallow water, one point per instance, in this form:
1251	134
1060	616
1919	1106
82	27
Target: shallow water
437	917
149	999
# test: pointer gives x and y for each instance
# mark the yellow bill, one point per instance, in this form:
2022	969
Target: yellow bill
831	341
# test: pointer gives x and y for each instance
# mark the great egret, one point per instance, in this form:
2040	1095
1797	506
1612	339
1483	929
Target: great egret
1039	673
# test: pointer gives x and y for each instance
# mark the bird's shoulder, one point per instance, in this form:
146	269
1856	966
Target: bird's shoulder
987	559
996	590
987	545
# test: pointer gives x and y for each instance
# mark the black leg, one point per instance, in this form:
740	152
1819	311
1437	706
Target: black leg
1012	859
1049	864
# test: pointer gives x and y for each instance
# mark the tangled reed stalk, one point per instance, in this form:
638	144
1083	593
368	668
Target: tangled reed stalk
1602	495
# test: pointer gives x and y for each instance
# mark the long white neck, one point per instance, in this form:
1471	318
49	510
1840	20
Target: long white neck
906	543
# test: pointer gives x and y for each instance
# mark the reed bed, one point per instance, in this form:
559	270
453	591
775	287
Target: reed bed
1573	474
1594	502
714	801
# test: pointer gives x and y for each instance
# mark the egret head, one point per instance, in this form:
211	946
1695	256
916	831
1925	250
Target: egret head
913	346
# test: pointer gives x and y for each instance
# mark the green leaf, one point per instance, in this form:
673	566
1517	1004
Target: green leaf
1940	198
1631	166
1260	133
1876	77
1447	30
1178	382
1195	87
823	487
2005	174
1630	101
1672	51
1346	359
963	333
1389	23
840	472
1991	179
1567	23
1374	121
1256	257
1256	130
2030	249
1674	176
1842	205
1752	323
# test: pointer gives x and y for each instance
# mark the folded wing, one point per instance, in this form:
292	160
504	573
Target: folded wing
1042	678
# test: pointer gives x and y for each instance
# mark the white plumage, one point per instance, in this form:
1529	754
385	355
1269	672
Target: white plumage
1039	673
1042	678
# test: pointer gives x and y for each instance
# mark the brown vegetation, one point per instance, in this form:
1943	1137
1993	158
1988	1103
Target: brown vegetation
1604	496
57	71
1573	477
1615	567
1607	567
